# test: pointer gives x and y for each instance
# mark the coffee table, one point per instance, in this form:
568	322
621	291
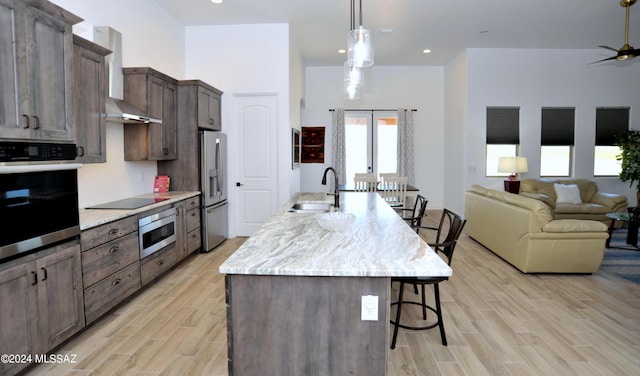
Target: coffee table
632	229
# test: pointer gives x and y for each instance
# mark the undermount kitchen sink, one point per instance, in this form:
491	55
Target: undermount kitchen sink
311	207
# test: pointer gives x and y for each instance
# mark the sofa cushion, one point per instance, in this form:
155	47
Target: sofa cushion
541	210
567	193
540	196
544	186
587	187
573	225
583	208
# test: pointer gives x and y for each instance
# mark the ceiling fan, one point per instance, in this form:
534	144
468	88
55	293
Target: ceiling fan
626	51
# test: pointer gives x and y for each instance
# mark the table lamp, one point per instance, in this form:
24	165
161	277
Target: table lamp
512	165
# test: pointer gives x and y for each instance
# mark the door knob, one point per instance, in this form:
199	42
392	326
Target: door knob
238	184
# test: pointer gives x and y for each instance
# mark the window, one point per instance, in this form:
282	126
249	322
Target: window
503	136
609	122
370	142
557	135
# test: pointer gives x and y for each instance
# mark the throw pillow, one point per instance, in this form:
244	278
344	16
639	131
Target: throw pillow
567	193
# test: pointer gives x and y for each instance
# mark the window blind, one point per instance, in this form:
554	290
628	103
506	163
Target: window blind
558	126
609	122
503	125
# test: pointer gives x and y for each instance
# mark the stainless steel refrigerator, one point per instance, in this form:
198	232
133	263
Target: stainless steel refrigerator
213	174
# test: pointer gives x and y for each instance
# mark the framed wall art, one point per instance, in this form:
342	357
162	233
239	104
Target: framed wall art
295	148
312	144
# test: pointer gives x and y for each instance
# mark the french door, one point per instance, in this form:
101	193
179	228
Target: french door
371	142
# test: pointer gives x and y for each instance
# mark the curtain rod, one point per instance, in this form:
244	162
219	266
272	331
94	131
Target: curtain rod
372	110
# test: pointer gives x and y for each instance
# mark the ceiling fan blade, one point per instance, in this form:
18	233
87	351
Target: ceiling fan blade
600	61
609	48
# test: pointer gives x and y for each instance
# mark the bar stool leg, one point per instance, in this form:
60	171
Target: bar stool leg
424	304
436	290
397	323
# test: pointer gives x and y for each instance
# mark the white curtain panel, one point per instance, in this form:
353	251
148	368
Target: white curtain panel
405	144
338	147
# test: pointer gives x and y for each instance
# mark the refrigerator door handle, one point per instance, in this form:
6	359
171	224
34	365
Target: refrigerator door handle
217	166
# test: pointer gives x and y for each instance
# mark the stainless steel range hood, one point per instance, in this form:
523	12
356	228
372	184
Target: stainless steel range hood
117	110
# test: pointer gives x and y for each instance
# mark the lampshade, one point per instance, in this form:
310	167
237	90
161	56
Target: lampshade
513	165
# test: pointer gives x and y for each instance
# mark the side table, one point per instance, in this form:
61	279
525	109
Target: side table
632	229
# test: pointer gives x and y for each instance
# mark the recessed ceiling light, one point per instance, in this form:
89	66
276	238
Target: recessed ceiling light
216	1
426	51
342	51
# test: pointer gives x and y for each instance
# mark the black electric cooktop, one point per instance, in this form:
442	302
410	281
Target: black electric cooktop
129	203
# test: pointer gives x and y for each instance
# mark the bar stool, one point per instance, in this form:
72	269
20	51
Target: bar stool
455	225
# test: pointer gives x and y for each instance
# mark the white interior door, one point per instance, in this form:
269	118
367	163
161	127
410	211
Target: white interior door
256	155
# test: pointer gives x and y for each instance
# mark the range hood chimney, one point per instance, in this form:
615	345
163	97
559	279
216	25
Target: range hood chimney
117	110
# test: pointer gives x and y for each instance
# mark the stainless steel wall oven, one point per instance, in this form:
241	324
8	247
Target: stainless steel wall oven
38	196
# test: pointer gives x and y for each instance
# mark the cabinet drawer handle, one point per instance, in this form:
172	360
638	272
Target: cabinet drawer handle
45	274
116	281
115	248
28	121
80	151
160	262
37	119
193	214
113	231
35	278
212	121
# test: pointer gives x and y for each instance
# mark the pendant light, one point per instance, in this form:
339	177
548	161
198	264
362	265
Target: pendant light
359	42
353	75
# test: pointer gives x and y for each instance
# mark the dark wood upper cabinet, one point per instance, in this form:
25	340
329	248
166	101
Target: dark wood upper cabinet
156	94
36	77
90	91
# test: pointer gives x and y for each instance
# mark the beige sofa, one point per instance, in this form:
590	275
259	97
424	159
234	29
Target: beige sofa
594	205
522	231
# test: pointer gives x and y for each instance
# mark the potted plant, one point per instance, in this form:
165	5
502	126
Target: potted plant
629	143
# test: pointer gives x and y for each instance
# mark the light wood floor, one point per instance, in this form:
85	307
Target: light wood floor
498	322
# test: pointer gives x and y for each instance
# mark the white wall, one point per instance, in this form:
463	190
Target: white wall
246	59
421	88
532	79
150	37
455	127
296	100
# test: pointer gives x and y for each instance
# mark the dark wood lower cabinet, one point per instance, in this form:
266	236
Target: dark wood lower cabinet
151	267
111	291
40	303
290	325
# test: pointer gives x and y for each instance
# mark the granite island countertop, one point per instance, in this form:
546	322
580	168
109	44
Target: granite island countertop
94	217
378	243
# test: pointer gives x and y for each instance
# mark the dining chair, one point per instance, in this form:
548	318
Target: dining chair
365	183
451	224
394	191
365	174
384	175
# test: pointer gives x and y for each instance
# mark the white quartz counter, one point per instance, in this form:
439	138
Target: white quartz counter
378	244
94	217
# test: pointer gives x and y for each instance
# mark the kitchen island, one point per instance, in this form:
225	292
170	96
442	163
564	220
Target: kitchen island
294	290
